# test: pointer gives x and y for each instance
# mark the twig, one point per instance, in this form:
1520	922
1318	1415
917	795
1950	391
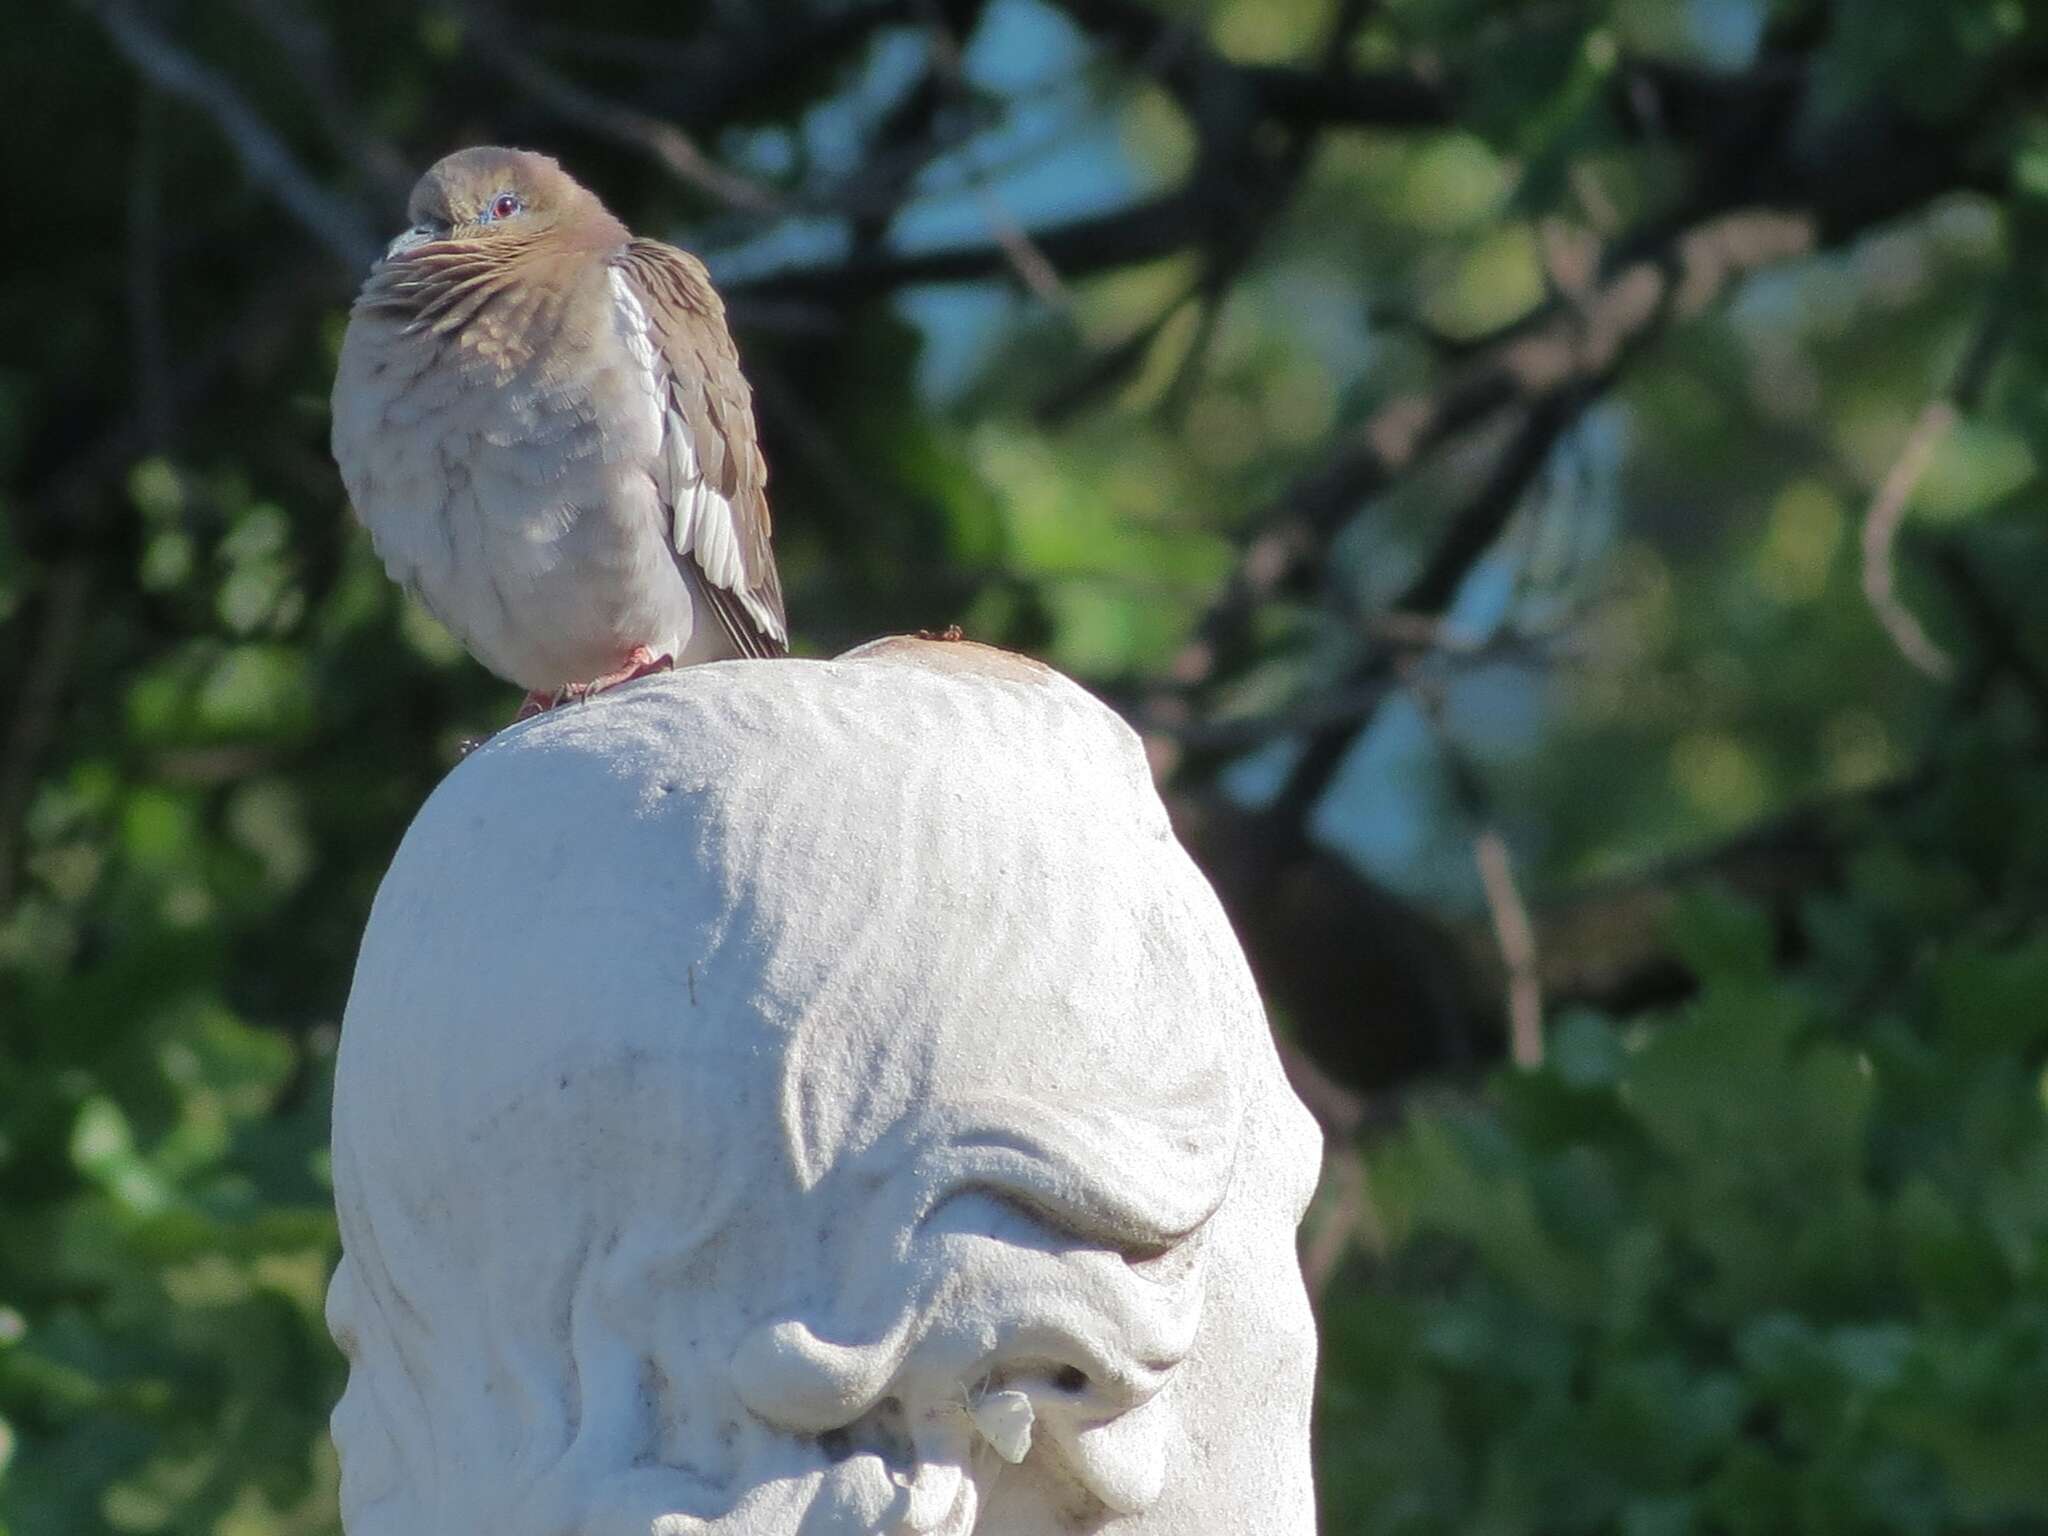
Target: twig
1516	936
1031	265
329	217
1881	530
1895	494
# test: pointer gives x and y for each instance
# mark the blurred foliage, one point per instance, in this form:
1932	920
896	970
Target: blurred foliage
1773	1260
1757	1247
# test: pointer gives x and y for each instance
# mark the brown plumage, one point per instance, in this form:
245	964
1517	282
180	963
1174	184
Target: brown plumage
543	423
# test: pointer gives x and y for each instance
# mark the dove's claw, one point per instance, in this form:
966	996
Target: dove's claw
640	662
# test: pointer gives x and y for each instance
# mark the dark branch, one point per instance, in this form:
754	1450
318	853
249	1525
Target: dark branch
1093	244
1377	99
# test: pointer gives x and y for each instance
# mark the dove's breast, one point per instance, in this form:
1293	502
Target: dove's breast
510	486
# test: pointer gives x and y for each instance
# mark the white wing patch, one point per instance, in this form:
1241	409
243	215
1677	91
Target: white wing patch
630	316
702	523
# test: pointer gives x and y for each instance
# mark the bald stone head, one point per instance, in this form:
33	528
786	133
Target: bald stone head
816	1099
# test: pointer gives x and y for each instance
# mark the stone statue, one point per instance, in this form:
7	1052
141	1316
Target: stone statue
815	1097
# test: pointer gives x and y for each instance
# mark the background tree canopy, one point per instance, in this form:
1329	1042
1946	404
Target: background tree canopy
1558	485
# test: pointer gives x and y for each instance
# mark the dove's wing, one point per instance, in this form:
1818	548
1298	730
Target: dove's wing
711	475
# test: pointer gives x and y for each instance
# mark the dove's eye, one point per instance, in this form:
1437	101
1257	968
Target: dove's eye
505	204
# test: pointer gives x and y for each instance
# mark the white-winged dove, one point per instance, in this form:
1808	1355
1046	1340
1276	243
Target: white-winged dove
543	424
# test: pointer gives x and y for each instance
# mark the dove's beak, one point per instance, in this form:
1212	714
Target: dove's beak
418	235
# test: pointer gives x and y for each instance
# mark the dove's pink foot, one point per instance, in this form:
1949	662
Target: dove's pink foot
640	662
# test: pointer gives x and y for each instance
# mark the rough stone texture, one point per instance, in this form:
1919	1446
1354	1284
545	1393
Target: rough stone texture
815	1096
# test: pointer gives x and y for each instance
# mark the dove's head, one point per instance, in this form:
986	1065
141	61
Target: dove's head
494	195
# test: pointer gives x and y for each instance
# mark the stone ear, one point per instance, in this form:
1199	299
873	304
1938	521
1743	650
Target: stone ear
791	1378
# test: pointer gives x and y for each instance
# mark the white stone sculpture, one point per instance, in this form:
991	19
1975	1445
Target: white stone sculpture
815	1097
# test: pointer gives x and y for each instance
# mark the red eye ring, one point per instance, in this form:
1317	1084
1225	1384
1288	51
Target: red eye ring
504	205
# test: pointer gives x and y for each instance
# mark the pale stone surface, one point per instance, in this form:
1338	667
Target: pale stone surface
815	1097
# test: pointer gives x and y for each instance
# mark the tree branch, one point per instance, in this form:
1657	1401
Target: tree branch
661	141
1514	935
1096	243
1543	370
1031	265
332	219
306	45
1347	99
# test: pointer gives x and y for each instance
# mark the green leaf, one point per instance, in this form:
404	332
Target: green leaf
1976	465
1994	1000
1494	1208
1720	936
